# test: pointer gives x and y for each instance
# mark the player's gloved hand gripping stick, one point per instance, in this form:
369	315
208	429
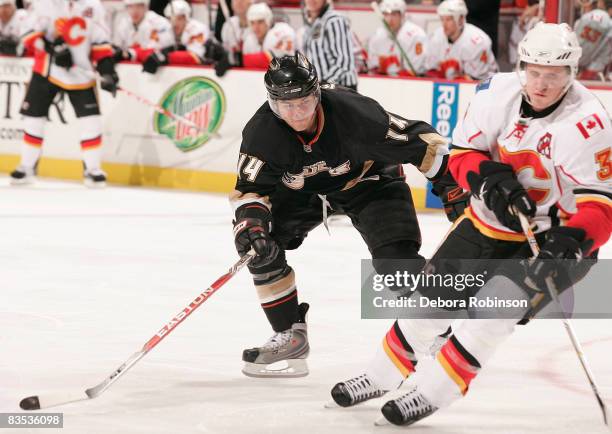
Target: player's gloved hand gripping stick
45	401
552	289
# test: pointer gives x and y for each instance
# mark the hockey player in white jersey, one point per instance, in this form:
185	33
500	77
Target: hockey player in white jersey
190	35
458	49
594	31
141	32
12	26
68	39
234	30
537	142
384	55
264	41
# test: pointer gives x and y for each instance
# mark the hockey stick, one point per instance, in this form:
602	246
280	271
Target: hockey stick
37	402
159	109
552	290
380	15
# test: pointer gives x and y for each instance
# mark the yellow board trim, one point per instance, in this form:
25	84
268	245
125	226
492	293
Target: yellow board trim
404	371
126	174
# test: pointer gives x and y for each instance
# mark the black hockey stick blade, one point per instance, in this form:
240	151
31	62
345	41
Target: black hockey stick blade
38	402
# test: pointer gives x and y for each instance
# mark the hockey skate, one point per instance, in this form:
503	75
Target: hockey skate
355	391
284	355
23	175
95	178
406	409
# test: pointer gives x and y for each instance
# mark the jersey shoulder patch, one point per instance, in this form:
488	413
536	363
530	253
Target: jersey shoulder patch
483	84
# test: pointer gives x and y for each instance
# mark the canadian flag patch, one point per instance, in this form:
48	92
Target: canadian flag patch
590	125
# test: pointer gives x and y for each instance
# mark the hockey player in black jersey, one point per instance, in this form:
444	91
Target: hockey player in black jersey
309	151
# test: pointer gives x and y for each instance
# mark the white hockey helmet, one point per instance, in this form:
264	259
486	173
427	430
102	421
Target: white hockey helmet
453	8
7	2
550	44
136	2
176	8
260	11
388	6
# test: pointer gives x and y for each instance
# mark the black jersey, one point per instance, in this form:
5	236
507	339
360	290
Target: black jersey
355	138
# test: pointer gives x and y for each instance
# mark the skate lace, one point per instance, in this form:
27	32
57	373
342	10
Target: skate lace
361	388
278	340
413	404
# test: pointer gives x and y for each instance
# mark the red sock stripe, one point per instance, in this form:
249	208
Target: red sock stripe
458	363
280	300
404	355
32	140
91	143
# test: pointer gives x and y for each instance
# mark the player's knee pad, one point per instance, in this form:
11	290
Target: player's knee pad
34	126
90	127
399	256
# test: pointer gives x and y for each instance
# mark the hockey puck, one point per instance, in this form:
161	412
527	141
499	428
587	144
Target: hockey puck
30	403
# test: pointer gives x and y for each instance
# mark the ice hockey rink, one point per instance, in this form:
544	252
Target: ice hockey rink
88	276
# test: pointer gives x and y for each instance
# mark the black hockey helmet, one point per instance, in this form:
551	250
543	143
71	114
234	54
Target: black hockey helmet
291	77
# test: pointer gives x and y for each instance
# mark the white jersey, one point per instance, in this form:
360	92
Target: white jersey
560	159
153	32
82	26
16	26
194	37
469	55
279	41
385	57
594	31
233	36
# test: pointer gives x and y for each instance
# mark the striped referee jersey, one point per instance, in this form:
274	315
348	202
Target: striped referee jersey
328	44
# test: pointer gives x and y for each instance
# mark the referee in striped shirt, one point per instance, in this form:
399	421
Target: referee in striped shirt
327	43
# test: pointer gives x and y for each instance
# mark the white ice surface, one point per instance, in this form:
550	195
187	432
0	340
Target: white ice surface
88	276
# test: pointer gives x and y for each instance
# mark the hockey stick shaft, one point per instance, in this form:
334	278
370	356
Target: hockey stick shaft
158	108
36	402
535	249
392	35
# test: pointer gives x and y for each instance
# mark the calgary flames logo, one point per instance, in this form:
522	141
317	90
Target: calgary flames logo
71	30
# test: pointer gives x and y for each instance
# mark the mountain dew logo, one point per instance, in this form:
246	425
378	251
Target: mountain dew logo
197	99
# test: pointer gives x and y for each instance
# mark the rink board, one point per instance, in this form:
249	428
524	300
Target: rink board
139	151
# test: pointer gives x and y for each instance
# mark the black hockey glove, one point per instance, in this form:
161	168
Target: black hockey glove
120	55
109	80
154	61
497	186
560	258
8	46
213	50
60	52
252	230
222	65
454	198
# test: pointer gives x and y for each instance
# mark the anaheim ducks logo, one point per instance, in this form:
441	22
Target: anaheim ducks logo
296	181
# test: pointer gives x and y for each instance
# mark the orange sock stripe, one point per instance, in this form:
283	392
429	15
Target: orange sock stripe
402	353
32	140
396	361
91	143
456	366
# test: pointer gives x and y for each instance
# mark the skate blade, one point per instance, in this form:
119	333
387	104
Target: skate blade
331	404
91	184
292	368
28	180
381	421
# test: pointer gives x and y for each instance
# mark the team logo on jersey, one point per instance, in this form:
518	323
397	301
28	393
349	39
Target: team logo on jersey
296	181
544	145
519	129
198	99
590	125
